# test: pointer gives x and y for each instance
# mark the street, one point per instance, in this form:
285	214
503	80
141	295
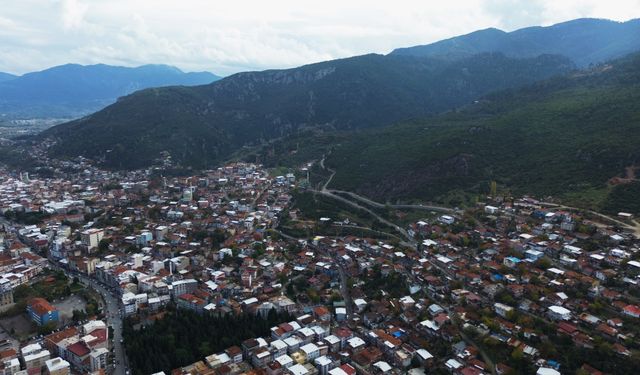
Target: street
113	319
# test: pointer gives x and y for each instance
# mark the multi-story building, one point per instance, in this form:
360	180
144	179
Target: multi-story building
6	297
57	366
41	311
98	359
91	238
36	360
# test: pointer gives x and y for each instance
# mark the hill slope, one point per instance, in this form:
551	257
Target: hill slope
202	125
584	41
72	90
567	137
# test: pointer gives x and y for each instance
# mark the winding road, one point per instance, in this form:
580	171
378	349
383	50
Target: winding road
333	194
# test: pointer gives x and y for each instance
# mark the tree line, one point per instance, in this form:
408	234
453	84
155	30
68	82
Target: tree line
183	337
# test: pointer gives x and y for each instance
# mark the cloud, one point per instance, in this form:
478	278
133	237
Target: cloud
230	36
73	12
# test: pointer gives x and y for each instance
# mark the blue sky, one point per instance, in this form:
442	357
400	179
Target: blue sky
225	37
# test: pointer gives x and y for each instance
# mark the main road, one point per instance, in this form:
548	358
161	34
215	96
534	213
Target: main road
113	318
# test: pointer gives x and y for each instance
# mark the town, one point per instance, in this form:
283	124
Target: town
93	262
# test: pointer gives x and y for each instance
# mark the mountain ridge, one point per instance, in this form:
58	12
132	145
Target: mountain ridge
585	41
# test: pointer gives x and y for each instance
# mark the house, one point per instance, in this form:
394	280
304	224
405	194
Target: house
424	356
511	262
502	309
632	310
235	354
322	313
490	209
547	371
311	351
345	369
559	313
191	302
446	219
341	314
324	364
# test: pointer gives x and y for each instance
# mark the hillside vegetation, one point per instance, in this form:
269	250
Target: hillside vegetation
565	137
201	126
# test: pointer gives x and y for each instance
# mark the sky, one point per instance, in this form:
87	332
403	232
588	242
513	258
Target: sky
225	37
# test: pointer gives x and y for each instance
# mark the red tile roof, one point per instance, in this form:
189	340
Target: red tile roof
632	309
348	369
100	335
41	306
64	334
80	349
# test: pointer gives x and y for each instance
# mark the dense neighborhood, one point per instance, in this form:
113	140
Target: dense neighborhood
510	286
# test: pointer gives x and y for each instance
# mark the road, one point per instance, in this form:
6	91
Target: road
400	230
399	206
344	289
374	203
113	318
334	195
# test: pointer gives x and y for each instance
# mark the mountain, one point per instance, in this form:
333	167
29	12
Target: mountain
575	137
202	125
73	90
585	41
6	77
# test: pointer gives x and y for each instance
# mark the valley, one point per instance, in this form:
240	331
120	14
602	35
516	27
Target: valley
464	207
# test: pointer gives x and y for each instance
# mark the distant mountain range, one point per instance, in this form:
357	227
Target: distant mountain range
6	77
74	90
585	41
203	125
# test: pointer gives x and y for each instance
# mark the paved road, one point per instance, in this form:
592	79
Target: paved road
374	203
400	230
113	318
333	194
344	289
400	206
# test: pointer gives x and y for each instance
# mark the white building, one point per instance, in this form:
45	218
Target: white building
181	287
502	309
91	238
99	359
57	366
559	313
